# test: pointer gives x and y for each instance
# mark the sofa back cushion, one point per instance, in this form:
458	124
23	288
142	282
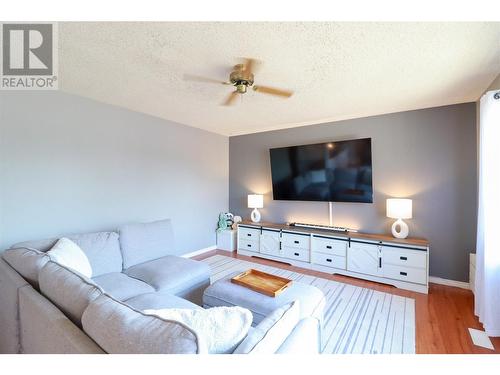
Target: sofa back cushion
40	245
119	329
271	333
102	250
27	262
69	290
146	241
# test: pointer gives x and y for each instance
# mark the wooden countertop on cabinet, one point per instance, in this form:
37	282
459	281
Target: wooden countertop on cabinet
353	235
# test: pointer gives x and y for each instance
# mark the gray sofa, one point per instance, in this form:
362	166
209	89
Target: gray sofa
44	306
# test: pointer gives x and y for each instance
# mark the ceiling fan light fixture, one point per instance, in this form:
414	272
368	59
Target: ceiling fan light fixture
241	88
242	78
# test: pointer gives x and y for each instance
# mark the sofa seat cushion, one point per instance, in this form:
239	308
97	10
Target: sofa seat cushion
171	273
121	286
120	329
160	300
143	242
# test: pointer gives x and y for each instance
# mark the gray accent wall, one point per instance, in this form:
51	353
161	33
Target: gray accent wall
427	155
72	165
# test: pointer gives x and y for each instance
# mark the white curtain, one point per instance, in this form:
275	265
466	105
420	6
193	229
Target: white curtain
487	288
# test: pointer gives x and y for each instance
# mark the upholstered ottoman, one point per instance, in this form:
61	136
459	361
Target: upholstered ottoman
224	293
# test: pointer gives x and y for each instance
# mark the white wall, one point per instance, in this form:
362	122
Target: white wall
72	165
495	85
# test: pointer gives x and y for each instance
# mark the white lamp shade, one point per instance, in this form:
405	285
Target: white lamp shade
398	208
255	201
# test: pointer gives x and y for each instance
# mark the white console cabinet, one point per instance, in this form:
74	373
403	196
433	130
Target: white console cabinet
402	263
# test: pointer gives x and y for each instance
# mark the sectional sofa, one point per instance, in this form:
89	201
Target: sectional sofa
46	307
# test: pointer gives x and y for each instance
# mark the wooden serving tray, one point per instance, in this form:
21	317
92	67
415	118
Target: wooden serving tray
262	282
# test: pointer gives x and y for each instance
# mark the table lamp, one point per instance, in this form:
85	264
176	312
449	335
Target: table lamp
255	201
399	209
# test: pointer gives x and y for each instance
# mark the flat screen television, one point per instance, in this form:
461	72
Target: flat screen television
332	172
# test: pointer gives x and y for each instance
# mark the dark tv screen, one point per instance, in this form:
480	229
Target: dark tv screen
331	172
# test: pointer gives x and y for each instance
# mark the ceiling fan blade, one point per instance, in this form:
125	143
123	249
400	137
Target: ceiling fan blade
231	98
273	91
190	77
250	65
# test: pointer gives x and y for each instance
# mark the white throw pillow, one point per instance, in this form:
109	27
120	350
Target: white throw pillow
69	254
222	328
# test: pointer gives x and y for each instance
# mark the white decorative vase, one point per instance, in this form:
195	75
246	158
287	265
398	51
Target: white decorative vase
403	229
255	216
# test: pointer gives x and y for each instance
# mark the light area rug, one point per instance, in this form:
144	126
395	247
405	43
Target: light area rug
357	320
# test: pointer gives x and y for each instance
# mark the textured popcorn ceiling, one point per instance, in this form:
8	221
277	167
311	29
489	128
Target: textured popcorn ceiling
337	70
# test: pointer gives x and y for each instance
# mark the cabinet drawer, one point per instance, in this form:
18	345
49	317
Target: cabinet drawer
295	253
251	234
295	240
248	245
412	275
329	246
329	260
404	257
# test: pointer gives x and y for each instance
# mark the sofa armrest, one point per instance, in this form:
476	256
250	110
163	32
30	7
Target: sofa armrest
10	282
304	339
46	330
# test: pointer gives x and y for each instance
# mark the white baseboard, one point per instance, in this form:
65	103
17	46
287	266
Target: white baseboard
198	252
458	284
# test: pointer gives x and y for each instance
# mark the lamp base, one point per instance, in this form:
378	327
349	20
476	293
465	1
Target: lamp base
403	229
255	216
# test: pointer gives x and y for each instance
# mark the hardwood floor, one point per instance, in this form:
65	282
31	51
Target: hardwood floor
442	317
